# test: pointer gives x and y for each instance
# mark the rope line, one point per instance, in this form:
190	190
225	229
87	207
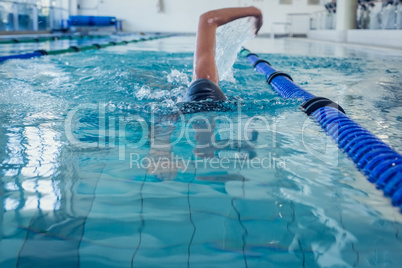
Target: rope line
380	163
72	49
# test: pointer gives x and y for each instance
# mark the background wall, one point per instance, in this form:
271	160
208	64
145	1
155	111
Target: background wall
182	15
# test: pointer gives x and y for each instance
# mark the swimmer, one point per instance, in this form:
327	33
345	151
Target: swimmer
205	83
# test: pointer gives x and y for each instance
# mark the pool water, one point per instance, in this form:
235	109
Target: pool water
100	169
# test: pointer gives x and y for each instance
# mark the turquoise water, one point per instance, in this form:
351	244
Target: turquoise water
99	170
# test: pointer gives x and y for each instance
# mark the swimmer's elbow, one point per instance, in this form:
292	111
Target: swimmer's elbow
208	18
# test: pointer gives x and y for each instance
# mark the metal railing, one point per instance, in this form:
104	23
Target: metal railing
323	20
371	14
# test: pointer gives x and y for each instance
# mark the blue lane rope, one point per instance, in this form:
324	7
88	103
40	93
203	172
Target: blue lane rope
280	83
378	161
42	52
21	56
49	38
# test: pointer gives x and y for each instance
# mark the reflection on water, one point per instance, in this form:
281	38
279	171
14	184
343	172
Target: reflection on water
255	186
33	155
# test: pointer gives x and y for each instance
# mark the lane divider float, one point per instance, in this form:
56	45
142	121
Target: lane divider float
380	163
50	38
71	49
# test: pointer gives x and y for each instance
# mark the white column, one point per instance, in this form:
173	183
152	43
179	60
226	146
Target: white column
346	12
73	7
35	18
15	16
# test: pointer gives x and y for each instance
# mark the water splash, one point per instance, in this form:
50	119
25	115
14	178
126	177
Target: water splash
178	78
143	92
156	95
229	39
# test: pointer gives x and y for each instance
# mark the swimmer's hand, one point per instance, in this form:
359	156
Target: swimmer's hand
218	17
258	19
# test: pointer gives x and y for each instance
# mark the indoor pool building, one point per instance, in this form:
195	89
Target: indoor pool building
167	133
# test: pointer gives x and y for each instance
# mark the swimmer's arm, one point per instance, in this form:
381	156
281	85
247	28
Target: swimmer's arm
204	62
222	16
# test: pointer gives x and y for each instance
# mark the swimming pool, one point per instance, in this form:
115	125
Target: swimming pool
98	170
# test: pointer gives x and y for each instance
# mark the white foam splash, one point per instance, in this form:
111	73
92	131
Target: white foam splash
178	77
229	40
144	92
174	95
